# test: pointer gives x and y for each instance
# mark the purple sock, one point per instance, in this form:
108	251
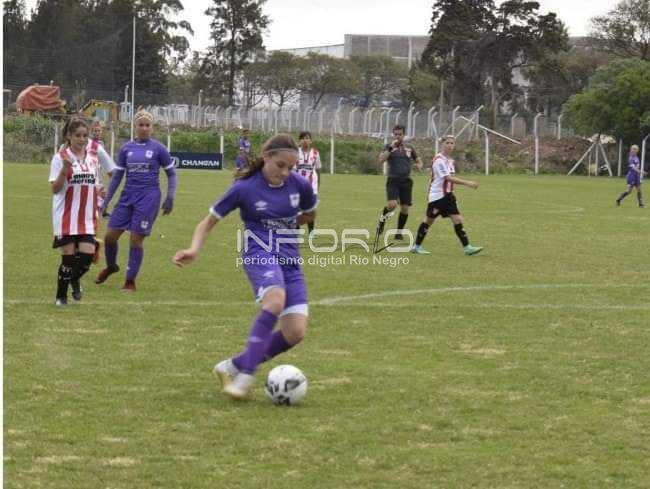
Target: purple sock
110	250
258	342
135	260
277	345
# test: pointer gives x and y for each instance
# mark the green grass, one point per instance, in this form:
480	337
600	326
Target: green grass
525	366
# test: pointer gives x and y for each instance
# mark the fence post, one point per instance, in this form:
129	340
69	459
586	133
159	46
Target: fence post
487	153
112	141
643	146
221	145
169	140
453	119
512	124
430	117
620	156
332	154
536	132
56	137
434	130
351	120
474	133
559	126
414	118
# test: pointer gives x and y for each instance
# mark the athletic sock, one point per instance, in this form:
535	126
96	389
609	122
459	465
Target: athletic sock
384	212
65	275
277	345
82	265
401	221
110	250
422	233
462	235
310	226
639	197
135	260
258	343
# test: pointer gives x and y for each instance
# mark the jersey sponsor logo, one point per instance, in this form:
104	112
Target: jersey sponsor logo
144	224
294	199
261	205
269	274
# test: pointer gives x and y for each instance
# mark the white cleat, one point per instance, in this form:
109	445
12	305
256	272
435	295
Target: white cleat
240	386
226	371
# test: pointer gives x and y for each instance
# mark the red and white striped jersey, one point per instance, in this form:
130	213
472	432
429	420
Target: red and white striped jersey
308	163
74	207
440	185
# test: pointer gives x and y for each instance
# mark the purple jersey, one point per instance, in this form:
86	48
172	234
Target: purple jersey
267	211
245	145
634	171
142	161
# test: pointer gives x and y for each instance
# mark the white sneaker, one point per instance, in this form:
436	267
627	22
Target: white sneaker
240	385
226	371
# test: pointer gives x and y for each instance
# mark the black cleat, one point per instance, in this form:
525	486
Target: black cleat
77	291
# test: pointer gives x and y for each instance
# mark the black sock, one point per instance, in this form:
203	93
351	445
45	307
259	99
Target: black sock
401	221
639	197
310	226
462	235
82	265
422	233
623	195
65	275
385	211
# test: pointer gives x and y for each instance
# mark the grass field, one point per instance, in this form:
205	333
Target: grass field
525	366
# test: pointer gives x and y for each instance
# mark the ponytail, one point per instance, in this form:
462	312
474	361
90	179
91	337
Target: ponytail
279	142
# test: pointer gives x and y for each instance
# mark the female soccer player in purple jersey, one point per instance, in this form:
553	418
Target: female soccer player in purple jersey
273	202
633	177
137	209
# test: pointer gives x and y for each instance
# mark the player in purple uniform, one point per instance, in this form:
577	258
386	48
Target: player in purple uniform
273	202
244	155
633	177
138	206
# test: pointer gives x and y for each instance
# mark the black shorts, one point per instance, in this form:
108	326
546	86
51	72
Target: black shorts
75	238
400	188
444	207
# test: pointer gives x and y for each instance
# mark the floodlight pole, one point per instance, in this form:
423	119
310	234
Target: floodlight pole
133	80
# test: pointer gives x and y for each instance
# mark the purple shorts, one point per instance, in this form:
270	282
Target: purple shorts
634	179
136	212
266	271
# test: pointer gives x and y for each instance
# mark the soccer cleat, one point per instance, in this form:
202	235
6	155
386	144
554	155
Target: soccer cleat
105	273
618	203
418	250
226	371
77	291
472	250
129	286
61	301
240	386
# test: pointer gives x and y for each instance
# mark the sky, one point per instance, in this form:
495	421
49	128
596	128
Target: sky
306	23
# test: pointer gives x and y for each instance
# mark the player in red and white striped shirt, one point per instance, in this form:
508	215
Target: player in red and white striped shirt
308	166
442	201
74	174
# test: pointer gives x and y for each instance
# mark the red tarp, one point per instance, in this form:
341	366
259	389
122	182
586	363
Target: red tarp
40	97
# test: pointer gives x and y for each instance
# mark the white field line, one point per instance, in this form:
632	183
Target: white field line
333	301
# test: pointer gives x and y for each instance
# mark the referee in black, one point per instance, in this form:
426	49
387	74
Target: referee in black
400	157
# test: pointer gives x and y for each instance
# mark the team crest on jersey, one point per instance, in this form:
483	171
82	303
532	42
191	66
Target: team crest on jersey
149	153
261	205
294	199
144	224
269	274
130	153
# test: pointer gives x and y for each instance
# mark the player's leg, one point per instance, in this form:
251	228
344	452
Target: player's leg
431	214
83	260
624	194
457	221
405	200
392	196
117	224
145	212
64	275
639	196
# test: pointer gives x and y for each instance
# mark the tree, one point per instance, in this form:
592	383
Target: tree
625	30
281	75
554	79
322	75
252	84
13	35
422	89
617	101
476	46
378	76
236	33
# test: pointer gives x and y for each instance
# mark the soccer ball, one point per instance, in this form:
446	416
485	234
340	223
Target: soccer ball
286	385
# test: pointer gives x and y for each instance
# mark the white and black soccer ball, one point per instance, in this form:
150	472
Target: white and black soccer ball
286	385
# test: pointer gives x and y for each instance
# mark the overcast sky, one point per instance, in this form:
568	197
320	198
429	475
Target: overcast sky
305	23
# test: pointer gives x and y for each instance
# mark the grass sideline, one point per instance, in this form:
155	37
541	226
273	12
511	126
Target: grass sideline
525	366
